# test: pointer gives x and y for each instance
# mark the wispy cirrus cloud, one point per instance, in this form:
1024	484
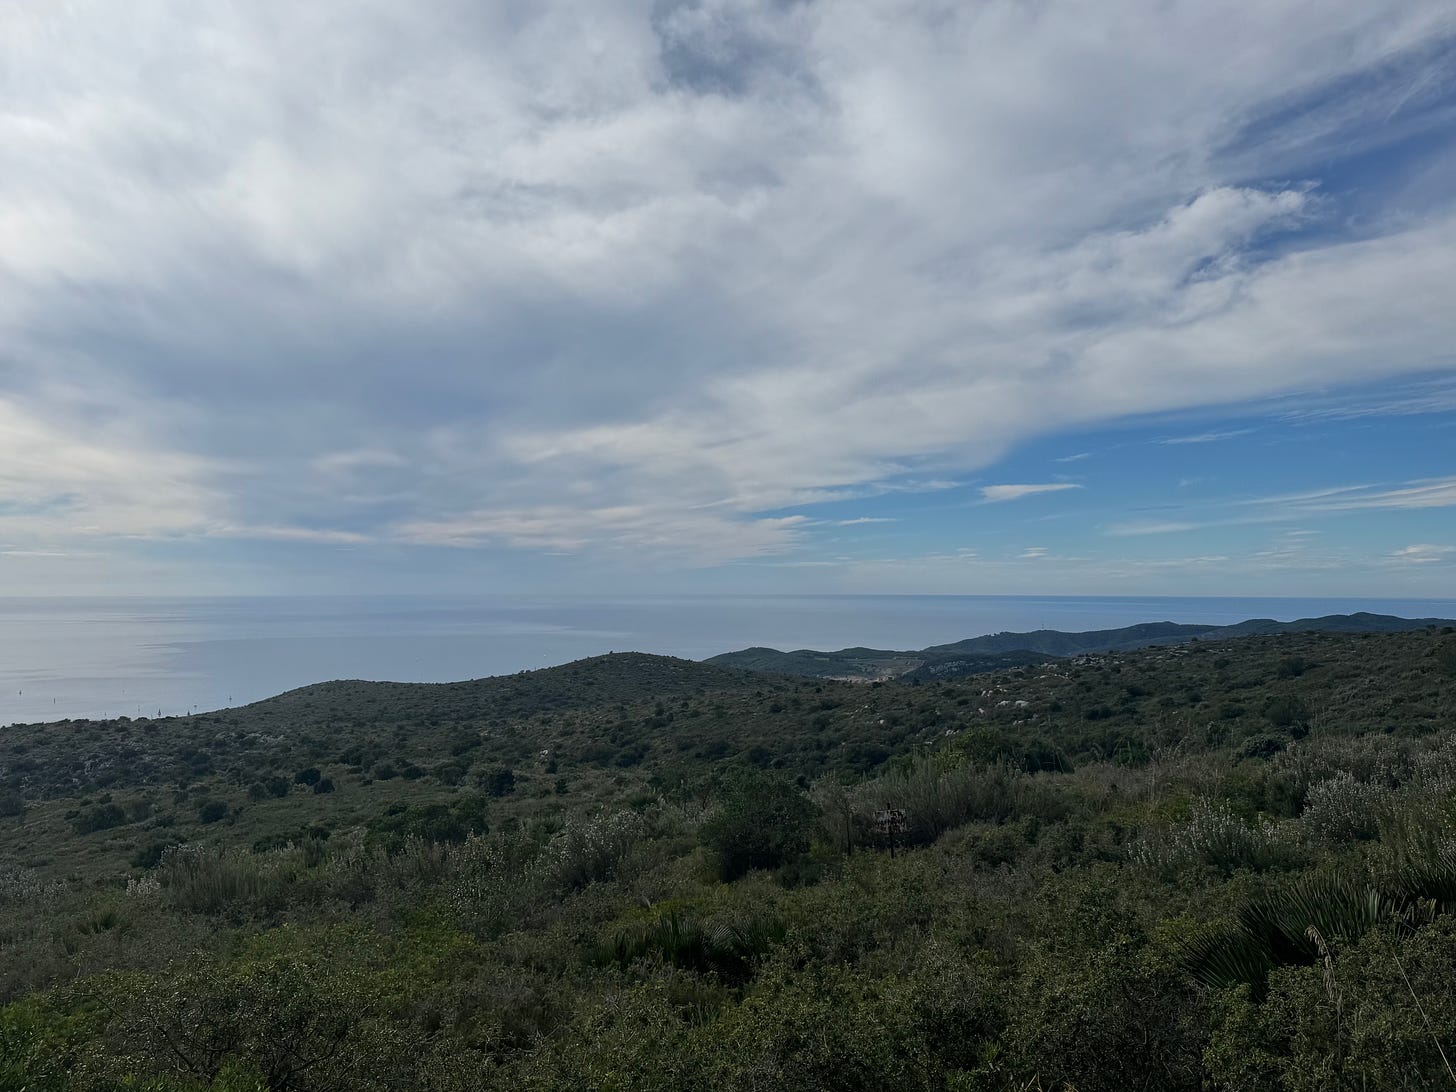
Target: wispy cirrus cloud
1335	500
1425	493
1424	553
997	493
1207	437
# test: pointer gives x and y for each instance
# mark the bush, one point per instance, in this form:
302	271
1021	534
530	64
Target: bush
150	855
206	880
324	785
500	781
761	822
591	851
1342	809
1215	837
211	811
431	823
1446	658
937	796
1287	712
98	817
11	803
309	776
1291	667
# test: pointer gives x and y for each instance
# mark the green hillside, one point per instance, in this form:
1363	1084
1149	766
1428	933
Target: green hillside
992	651
1221	865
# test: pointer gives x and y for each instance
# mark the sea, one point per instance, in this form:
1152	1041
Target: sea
72	658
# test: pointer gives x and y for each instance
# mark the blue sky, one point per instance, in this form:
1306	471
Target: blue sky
728	295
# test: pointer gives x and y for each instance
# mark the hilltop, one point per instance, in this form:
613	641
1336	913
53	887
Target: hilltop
997	650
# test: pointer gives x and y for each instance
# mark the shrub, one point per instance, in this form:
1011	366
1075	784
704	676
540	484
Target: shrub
211	811
761	821
431	823
593	850
500	781
1446	658
937	796
1287	712
309	776
1213	836
1342	809
205	880
684	937
11	803
150	855
324	785
1291	667
98	817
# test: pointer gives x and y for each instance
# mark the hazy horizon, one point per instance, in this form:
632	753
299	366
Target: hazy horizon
77	656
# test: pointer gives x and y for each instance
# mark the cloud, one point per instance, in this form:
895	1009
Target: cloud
1429	396
1335	500
698	538
1424	554
1154	527
863	520
1426	493
1207	437
1419	493
638	278
995	493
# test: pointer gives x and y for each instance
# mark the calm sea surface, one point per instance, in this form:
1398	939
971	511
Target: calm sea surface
127	657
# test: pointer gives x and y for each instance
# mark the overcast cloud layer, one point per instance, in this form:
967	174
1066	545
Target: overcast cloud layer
663	285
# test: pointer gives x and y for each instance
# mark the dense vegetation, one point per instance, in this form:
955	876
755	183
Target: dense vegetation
1220	865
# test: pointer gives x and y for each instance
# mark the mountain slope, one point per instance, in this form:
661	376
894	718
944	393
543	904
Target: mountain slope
996	650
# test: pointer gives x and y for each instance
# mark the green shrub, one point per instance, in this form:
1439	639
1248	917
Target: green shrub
761	821
1213	836
589	851
1342	809
436	823
99	817
211	811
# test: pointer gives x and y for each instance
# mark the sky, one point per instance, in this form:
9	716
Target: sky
1013	296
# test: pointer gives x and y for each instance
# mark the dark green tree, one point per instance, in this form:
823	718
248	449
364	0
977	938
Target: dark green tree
762	821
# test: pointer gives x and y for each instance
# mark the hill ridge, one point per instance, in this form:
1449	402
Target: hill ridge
1006	648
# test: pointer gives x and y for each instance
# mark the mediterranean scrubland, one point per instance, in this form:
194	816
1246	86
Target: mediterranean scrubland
1227	864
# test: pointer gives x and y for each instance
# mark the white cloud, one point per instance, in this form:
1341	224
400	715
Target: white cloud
696	537
1426	493
71	478
565	277
863	520
1424	553
994	493
1207	437
1154	527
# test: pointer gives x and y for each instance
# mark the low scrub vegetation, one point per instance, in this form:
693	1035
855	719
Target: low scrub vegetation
635	873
